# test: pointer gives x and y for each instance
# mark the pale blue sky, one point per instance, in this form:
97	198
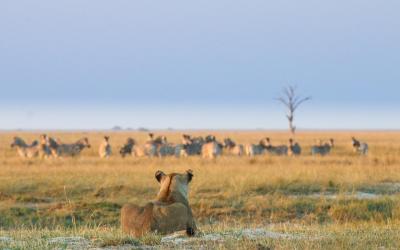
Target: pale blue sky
206	64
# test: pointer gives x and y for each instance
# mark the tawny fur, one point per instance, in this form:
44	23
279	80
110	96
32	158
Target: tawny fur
168	213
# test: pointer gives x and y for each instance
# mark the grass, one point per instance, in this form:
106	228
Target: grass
299	236
314	197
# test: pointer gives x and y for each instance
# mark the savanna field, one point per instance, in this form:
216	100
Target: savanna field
339	201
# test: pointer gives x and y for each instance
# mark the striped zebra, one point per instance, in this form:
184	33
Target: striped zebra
294	148
148	149
71	149
256	149
211	148
164	148
105	148
52	145
276	150
24	150
190	146
322	149
233	148
133	149
151	147
45	149
167	149
360	147
126	149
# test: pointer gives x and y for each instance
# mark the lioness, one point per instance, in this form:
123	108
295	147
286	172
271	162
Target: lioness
170	212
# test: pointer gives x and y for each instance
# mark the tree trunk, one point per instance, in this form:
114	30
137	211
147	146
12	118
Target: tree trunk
292	128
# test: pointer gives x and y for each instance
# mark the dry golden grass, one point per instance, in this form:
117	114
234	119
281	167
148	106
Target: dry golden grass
229	192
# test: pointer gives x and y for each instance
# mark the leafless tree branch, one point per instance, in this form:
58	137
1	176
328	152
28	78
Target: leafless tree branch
291	101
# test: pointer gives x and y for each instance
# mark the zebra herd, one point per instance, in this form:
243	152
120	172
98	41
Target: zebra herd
207	147
47	146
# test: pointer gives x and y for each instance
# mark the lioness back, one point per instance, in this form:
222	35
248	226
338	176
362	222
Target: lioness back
170	212
136	220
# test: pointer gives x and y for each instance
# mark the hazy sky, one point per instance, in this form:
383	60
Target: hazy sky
198	64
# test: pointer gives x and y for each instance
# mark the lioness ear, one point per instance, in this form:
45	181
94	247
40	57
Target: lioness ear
159	174
190	174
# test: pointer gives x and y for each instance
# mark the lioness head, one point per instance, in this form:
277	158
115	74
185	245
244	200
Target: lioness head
173	187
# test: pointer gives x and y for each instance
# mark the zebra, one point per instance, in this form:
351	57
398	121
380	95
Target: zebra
322	149
126	149
294	148
105	148
167	149
190	146
211	148
72	149
44	148
232	147
132	148
276	150
360	147
24	150
256	149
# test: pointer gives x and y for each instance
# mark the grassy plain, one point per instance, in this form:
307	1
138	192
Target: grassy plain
340	201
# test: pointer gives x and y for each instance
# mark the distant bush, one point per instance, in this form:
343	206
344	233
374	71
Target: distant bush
117	128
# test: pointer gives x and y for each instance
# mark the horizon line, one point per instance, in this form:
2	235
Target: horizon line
205	129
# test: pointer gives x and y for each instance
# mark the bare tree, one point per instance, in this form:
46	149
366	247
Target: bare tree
292	101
